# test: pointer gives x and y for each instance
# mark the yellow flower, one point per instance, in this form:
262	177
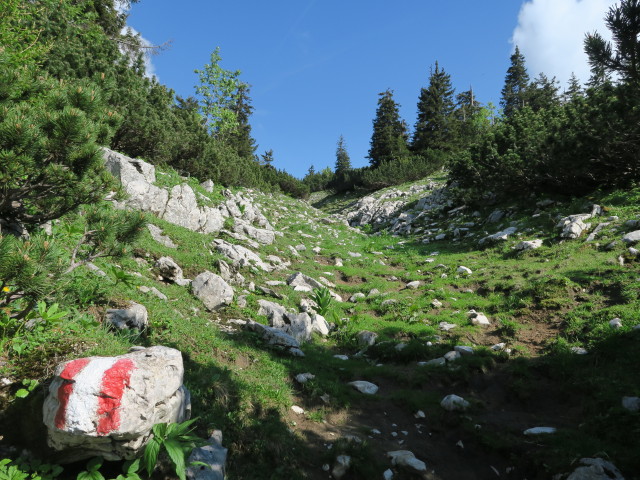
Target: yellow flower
6	289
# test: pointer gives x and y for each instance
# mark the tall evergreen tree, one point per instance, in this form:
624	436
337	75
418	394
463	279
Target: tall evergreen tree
574	89
542	93
435	127
240	138
389	138
467	113
343	162
515	85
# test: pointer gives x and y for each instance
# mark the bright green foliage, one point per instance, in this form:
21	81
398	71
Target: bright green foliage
50	131
176	440
93	470
19	43
389	138
515	85
323	299
22	469
542	93
219	92
28	272
574	89
240	138
435	127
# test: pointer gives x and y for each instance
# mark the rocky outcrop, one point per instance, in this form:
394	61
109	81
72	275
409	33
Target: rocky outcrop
106	406
179	205
240	256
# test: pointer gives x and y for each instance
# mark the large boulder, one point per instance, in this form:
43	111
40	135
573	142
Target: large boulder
214	292
106	406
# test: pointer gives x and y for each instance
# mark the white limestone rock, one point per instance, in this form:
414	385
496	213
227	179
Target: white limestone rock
214	292
135	317
453	403
365	387
106	406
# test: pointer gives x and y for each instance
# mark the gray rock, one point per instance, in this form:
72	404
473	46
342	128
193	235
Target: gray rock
240	256
276	338
133	318
454	403
405	458
463	350
156	234
357	296
540	431
632	237
214	457
299	279
413	285
229	274
438	362
170	271
631	403
340	468
615	323
153	291
304	377
446	326
595	469
214	292
106	406
365	338
500	236
478	318
365	387
464	270
208	185
261	235
529	245
495	216
452	356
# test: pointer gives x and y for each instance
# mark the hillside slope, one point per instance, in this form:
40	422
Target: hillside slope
524	333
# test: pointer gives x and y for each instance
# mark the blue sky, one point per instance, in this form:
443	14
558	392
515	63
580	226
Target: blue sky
316	66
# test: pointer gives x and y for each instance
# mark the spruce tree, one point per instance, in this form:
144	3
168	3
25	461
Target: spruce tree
515	85
467	115
343	162
542	93
574	89
240	137
389	138
435	127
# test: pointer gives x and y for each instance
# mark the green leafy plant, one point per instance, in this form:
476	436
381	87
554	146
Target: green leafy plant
22	469
176	440
322	297
93	470
30	385
122	277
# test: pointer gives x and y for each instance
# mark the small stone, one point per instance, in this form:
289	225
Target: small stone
632	237
375	431
453	403
341	357
326	467
419	414
356	296
387	474
304	377
446	326
343	462
413	285
464	270
540	430
478	318
498	347
579	350
460	444
631	403
297	409
452	356
405	458
463	350
365	387
438	362
366	338
616	323
436	303
354	254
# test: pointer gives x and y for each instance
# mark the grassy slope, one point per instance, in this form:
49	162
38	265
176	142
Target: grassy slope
540	303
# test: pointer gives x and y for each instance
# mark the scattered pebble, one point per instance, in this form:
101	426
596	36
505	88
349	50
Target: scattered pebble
540	430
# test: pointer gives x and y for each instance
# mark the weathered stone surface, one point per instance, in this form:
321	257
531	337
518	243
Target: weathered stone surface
340	468
299	279
134	318
208	185
214	457
365	387
478	318
631	403
454	403
170	271
214	292
240	256
261	235
276	338
595	469
500	236
464	270
230	275
106	406
366	338
357	296
153	291
540	431
157	235
405	458
632	237
529	245
413	285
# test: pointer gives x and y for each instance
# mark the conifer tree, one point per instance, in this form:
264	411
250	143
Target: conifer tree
240	137
343	162
623	56
467	115
515	85
542	93
574	89
435	125
389	138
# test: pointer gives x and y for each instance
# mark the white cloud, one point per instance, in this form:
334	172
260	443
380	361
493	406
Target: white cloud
149	68
550	35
